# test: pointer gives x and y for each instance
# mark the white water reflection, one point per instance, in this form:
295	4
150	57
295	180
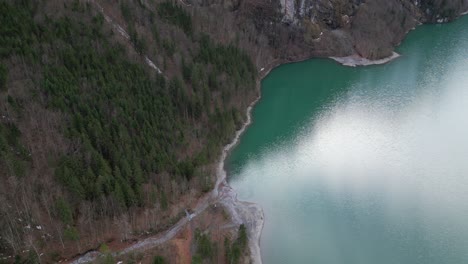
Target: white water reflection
361	142
388	157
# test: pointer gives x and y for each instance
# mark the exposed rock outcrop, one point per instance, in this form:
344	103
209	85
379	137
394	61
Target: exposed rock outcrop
369	28
299	29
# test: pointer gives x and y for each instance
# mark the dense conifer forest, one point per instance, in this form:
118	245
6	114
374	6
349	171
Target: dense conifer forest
90	134
113	113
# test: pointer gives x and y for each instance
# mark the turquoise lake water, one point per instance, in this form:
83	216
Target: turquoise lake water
363	165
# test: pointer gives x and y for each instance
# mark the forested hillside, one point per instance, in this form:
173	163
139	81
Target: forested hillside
113	113
94	144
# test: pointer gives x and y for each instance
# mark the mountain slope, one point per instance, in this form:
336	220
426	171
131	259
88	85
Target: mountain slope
90	135
113	113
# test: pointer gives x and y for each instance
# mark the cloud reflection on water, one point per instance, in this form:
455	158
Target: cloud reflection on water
387	156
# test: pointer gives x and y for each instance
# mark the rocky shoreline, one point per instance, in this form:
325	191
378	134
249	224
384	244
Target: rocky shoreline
242	212
356	60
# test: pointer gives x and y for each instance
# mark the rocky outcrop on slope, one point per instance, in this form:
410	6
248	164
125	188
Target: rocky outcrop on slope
367	28
298	29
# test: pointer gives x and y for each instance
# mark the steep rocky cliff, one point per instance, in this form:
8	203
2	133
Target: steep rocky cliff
297	29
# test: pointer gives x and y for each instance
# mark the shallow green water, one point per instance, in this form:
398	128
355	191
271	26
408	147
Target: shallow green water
363	165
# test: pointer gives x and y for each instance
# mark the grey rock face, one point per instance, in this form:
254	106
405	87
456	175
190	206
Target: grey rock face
290	30
374	27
